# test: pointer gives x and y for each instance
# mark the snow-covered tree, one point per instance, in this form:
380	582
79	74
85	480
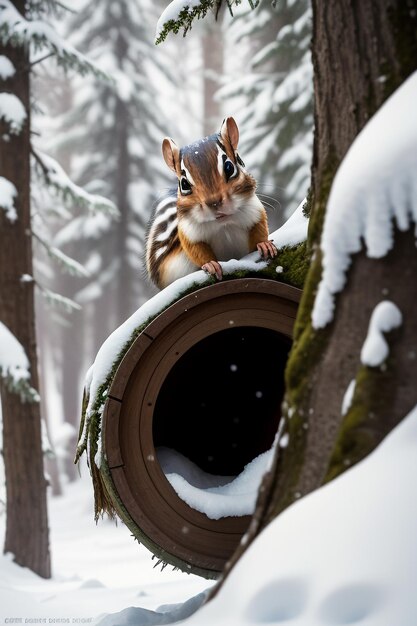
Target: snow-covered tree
27	38
122	157
275	98
110	134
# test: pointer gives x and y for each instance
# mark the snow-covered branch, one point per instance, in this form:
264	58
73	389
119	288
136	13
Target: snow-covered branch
69	265
180	14
57	179
57	300
15	367
18	31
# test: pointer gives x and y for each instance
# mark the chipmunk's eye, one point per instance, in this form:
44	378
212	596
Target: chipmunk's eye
185	186
229	169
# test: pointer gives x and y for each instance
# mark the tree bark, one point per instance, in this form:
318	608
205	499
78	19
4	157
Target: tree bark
27	536
362	52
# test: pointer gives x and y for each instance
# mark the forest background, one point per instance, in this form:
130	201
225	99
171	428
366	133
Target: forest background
108	141
103	120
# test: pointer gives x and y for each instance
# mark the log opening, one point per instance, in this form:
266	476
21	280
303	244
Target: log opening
206	377
220	404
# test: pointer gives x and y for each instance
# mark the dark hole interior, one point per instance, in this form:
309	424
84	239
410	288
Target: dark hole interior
220	404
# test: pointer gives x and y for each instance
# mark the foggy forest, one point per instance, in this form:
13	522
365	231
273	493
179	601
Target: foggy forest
208	341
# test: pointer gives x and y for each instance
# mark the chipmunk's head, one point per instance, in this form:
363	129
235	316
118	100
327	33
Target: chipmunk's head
212	182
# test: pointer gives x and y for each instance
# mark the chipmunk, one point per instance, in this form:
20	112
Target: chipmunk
214	216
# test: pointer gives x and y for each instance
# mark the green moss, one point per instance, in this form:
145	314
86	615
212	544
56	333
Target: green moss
307	348
360	431
317	203
293	263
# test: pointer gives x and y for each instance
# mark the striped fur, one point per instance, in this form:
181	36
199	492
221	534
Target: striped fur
214	218
162	237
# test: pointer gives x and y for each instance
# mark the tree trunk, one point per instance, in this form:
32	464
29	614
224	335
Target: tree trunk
71	389
353	46
27	523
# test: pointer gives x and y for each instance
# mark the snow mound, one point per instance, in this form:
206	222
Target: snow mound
345	554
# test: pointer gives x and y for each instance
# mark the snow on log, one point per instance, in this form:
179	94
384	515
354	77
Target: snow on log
183	404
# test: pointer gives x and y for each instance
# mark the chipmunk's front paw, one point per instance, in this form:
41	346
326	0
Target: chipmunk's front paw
213	268
267	249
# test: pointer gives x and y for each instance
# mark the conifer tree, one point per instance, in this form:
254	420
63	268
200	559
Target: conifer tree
276	96
122	156
27	38
111	136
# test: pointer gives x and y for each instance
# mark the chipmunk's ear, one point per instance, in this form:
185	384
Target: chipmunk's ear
230	132
171	153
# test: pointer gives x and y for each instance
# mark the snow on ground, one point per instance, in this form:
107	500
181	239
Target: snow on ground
97	569
345	554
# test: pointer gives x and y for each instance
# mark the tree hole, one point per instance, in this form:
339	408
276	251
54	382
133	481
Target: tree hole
220	404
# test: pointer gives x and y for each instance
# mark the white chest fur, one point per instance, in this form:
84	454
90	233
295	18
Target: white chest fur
229	238
230	242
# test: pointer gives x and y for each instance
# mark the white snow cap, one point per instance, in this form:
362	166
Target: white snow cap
7	68
8	193
13	359
385	317
374	188
172	11
12	111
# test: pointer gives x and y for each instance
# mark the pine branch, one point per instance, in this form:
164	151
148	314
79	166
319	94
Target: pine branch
69	265
57	300
55	178
180	14
18	31
185	16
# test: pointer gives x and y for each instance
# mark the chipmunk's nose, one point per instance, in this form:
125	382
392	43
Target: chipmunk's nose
214	203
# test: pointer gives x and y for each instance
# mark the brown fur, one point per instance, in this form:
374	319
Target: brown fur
210	191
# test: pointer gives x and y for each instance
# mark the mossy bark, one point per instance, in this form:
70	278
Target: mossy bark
361	53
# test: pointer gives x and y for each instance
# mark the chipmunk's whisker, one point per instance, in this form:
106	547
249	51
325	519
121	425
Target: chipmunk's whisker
268	204
263	195
258	184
